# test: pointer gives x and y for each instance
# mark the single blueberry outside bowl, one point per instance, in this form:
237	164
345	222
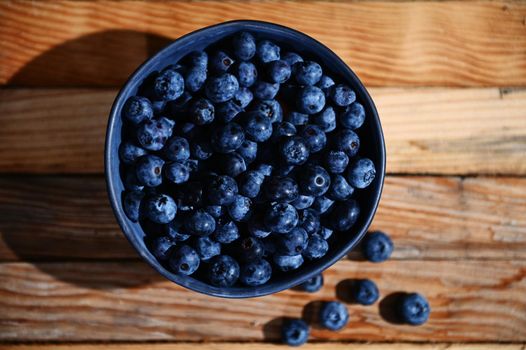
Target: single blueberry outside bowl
372	146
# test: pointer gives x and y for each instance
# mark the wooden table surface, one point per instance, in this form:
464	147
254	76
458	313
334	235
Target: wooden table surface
449	81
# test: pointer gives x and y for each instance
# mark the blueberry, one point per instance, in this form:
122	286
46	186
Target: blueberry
174	230
250	183
297	118
246	74
220	62
201	148
255	273
270	109
295	332
322	204
313	284
365	292
294	151
223	271
333	315
240	208
303	202
336	161
129	153
248	150
222	190
414	309
353	116
206	248
292	243
267	51
195	78
198	59
326	119
149	170
160	208
278	71
251	248
200	223
184	260
177	149
192	164
283	129
309	221
317	247
176	172
258	127
227	138
325	83
281	189
228	111
244	46
342	95
264	90
346	140
291	58
226	232
377	247
314	181
310	100
137	109
307	72
131	204
325	232
202	111
187	128
161	247
232	164
264	169
361	173
221	88
283	170
130	181
287	262
256	228
169	85
344	215
243	97
215	210
314	138
281	218
152	134
340	189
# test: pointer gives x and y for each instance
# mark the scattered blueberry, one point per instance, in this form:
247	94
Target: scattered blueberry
334	315
223	271
313	284
137	109
361	173
295	332
160	208
377	247
414	309
365	292
342	95
310	100
184	260
255	273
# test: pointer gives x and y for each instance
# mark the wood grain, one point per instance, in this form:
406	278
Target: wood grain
438	131
470	301
63	218
267	346
424	43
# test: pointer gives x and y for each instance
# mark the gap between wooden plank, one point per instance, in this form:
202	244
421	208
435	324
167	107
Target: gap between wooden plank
427	130
424	43
73	302
430	218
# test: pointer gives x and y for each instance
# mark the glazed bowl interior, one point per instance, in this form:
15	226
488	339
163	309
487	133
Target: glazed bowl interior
371	137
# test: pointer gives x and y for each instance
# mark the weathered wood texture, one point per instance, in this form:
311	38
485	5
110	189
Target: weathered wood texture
267	346
420	43
439	131
64	218
470	301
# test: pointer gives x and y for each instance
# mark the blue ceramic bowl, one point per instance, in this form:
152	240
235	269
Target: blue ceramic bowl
372	146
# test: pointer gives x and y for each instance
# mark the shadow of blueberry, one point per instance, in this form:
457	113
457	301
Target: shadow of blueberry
343	291
310	313
389	307
272	329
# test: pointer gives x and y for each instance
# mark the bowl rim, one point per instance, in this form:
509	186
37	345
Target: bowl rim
184	281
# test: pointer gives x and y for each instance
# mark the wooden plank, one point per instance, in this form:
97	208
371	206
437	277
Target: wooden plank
267	346
422	43
64	218
439	131
480	301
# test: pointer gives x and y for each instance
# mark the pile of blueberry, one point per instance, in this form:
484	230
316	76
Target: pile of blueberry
241	161
411	308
